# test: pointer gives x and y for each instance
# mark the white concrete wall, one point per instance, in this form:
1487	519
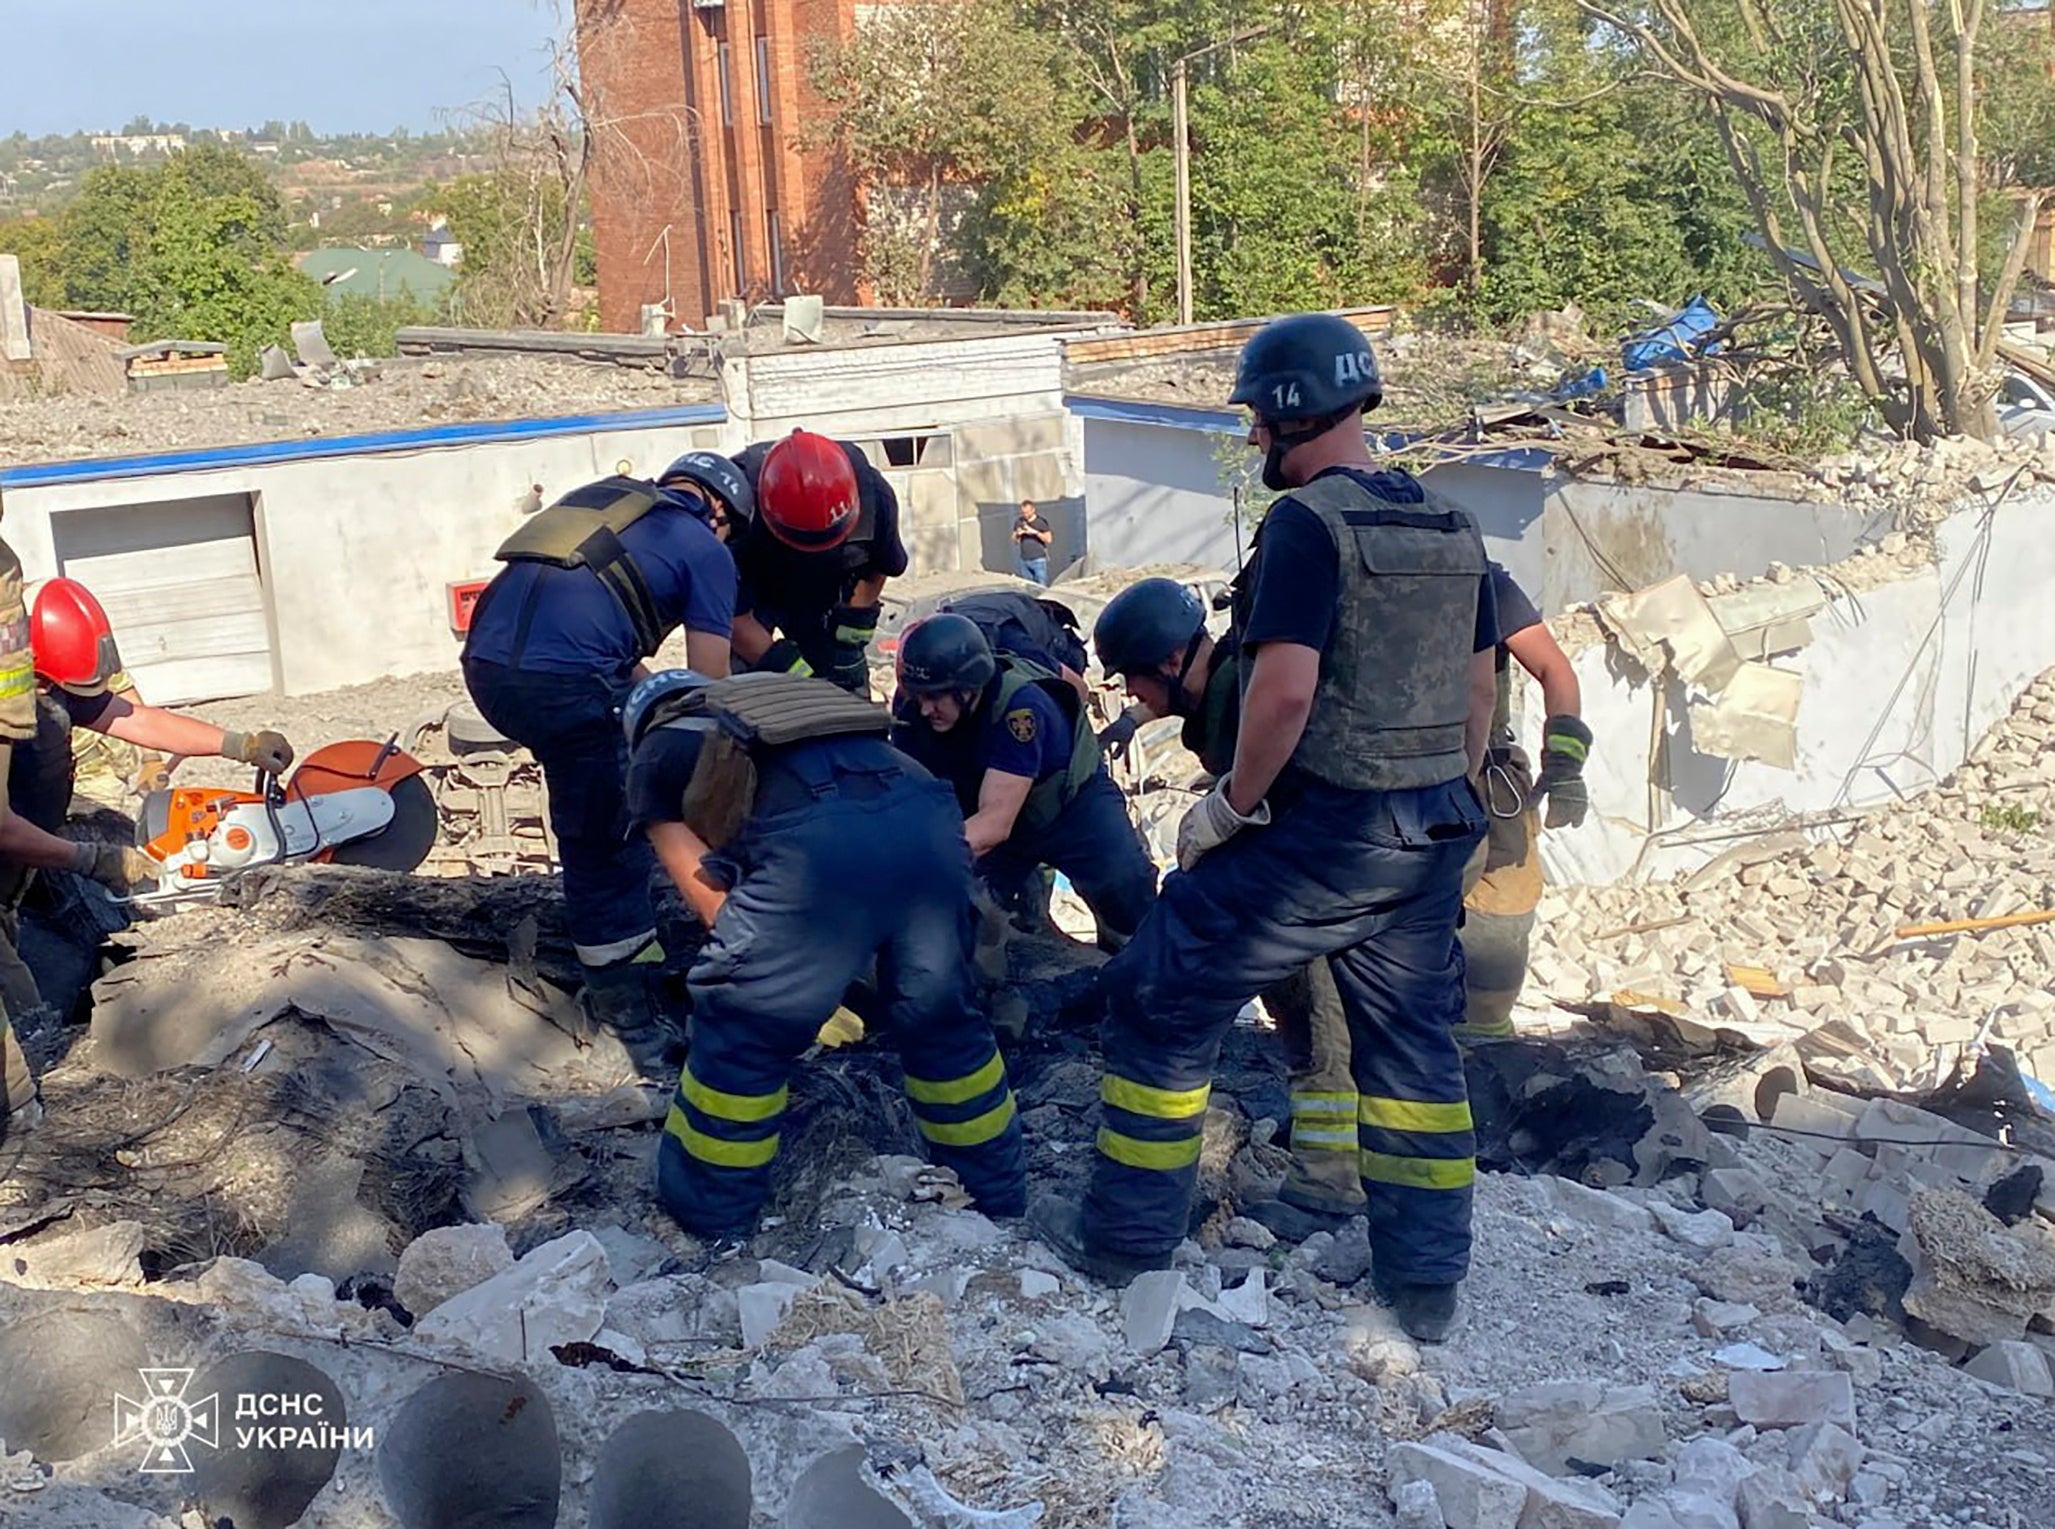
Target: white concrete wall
1900	682
355	551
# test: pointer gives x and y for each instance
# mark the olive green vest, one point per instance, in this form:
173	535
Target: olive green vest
583	530
1394	693
749	712
1048	797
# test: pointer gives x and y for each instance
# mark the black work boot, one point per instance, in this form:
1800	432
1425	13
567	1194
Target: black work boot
1427	1312
1058	1224
617	998
1293	1223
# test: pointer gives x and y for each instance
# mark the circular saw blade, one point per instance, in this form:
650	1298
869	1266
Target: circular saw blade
404	842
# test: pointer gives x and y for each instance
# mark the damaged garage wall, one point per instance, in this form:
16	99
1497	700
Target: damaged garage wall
1895	683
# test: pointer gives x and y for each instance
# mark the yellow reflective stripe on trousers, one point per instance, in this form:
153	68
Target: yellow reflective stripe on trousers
1414	1114
1157	1103
743	1109
956	1090
711	1149
1324	1102
973	1132
17	679
1418	1172
1166	1156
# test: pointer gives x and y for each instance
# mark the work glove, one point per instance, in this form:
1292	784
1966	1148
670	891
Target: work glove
1565	742
1212	822
267	750
116	866
852	628
152	774
783	657
1119	733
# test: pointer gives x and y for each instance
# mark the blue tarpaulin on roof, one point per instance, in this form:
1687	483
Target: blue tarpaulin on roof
1677	339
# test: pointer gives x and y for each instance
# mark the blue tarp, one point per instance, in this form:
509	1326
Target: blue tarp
1676	340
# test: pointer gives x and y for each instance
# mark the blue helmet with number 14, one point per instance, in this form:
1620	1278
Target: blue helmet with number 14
1307	366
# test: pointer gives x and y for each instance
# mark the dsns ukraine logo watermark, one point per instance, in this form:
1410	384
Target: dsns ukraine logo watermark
165	1420
267	1422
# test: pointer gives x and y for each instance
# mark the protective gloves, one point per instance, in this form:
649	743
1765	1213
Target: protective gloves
117	866
1119	733
852	628
267	750
783	657
1212	822
1565	743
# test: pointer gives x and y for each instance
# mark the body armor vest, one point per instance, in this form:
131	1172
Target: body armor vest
1394	692
1048	797
746	716
583	530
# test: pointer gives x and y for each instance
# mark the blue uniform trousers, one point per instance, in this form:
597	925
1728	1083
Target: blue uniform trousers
870	864
568	722
1371	879
1093	842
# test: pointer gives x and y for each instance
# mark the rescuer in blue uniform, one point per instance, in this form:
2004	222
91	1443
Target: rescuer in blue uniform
813	559
1366	623
810	848
592	586
1013	739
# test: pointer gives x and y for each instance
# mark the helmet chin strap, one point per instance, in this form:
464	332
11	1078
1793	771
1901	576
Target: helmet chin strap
1285	436
1180	702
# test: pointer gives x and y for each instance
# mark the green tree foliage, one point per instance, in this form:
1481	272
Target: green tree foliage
38	244
358	324
194	249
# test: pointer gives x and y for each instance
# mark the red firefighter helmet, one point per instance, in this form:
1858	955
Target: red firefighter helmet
807	492
72	638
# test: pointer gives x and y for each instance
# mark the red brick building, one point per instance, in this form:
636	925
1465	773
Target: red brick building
700	190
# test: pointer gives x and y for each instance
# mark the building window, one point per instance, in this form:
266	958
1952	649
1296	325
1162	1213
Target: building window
741	262
727	90
777	243
763	81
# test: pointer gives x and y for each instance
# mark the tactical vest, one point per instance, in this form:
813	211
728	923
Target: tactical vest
583	530
746	717
1394	693
39	783
1048	797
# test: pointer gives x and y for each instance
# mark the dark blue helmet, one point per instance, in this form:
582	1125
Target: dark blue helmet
1307	366
944	654
1146	624
640	708
714	473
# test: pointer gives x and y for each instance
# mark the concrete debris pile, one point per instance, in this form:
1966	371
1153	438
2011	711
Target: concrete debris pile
406	395
1796	934
926	1367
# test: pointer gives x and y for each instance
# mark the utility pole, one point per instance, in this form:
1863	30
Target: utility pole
1181	159
1181	139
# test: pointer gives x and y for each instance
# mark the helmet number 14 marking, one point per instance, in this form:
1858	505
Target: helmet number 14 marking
1286	394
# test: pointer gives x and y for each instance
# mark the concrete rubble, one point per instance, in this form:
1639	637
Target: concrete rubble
438	1197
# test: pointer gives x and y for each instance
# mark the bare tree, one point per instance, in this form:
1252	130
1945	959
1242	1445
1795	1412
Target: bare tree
1852	128
521	221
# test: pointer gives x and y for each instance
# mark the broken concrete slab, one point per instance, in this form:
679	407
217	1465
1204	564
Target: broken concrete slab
2016	1365
1248	1302
1974	1278
59	1374
1417	1507
1792	1398
1597	1208
762	1307
1212	1375
1715	1319
1559	1425
555	1295
448	1260
330	1231
1824	1458
1477	1476
1149	1308
1702	1231
658	1466
472	1451
833	1494
1771	1498
70	1258
270	1482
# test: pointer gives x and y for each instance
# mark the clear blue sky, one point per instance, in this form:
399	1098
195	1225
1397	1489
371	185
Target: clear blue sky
339	65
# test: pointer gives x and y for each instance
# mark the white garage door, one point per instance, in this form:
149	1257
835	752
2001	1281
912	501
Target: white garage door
180	583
